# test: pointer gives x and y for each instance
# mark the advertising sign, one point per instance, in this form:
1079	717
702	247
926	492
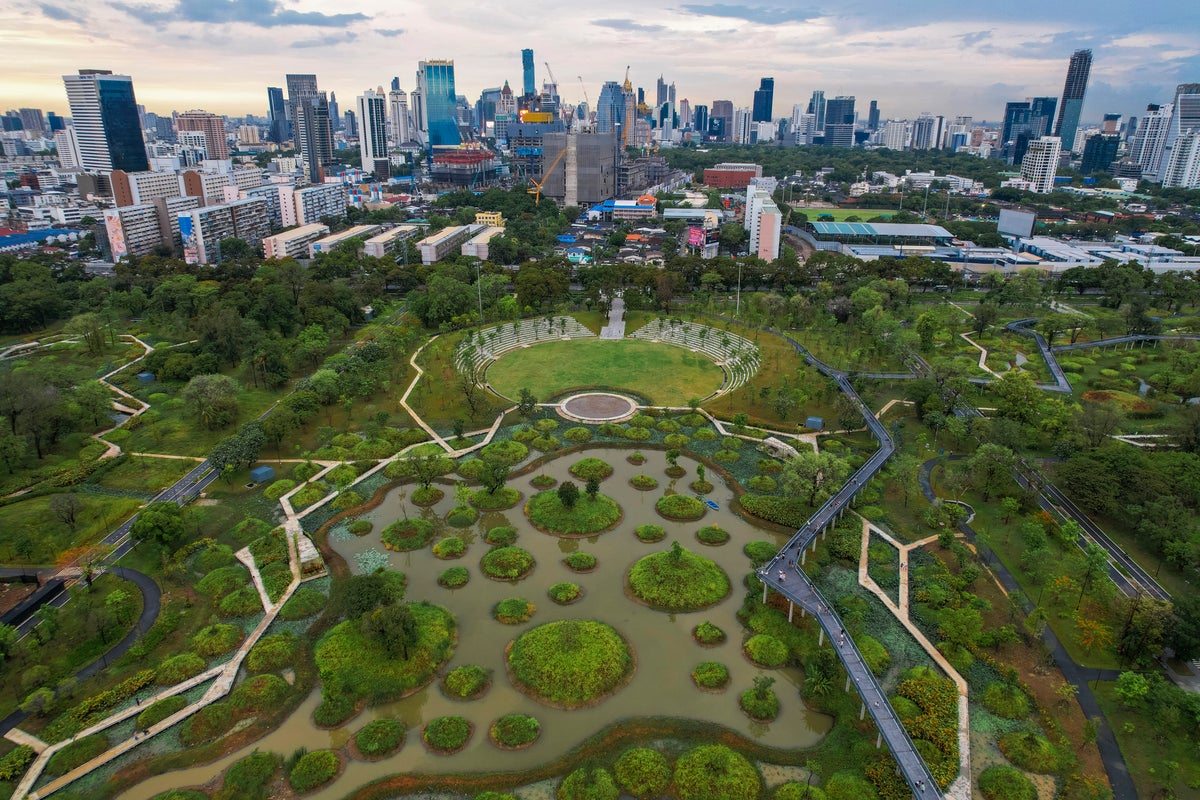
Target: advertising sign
116	234
695	236
191	247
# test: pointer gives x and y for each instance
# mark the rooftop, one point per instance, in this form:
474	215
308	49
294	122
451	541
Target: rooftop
894	229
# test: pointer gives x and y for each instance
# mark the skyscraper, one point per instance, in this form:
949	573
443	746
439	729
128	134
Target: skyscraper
764	97
372	141
839	121
298	87
661	95
527	81
315	135
816	107
335	113
1044	107
1099	151
925	133
1186	117
436	81
1146	149
1072	97
721	119
873	116
277	114
610	108
700	120
104	113
213	128
1183	167
33	120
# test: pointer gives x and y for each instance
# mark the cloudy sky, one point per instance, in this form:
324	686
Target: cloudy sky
945	56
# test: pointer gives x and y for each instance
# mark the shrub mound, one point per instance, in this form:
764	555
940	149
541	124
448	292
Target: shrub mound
700	486
76	754
360	527
157	712
1002	782
761	706
361	667
515	731
799	791
713	535
450	547
565	593
223	580
454	578
217	640
313	769
711	675
570	663
505	451
466	682
678	580
715	771
502	498
501	535
513	611
547	513
708	634
507	563
643	483
272	653
680	507
425	497
765	650
543	482
588	468
304	602
1030	752
1006	700
244	602
380	737
578	434
259	694
177	669
759	552
650	533
636	458
408	534
462	517
643	773
446	735
580	562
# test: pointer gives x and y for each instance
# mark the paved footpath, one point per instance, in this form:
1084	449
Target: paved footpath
615	329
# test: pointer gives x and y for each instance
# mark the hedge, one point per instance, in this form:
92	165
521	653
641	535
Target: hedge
313	769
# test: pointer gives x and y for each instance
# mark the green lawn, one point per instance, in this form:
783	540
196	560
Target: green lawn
32	534
145	474
840	214
662	373
1141	746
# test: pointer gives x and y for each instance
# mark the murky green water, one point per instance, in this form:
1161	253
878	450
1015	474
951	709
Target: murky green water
666	654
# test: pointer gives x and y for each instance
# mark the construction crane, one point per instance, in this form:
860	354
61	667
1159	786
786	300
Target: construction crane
549	71
536	191
584	88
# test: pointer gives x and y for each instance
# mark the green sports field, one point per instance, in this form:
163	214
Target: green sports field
840	214
662	373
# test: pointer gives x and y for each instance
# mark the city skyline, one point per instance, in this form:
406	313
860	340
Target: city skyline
936	58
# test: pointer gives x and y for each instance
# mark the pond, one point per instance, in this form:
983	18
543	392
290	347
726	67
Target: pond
664	649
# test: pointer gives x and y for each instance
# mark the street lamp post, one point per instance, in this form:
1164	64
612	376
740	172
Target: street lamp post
738	308
479	289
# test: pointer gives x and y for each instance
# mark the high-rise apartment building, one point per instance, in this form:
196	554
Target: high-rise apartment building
1185	117
1182	168
527	75
372	139
314	135
894	135
926	132
763	220
213	128
137	188
1044	108
67	147
279	131
1040	164
1072	96
764	99
203	228
398	116
34	121
107	128
1111	125
435	81
299	87
1146	149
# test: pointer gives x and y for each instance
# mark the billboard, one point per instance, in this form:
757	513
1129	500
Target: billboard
191	247
116	234
1016	223
695	236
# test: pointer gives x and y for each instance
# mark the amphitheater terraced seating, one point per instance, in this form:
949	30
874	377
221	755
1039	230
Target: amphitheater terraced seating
738	355
490	343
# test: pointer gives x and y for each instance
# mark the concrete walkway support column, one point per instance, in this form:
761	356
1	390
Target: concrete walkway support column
878	740
821	638
847	683
764	593
791	608
862	711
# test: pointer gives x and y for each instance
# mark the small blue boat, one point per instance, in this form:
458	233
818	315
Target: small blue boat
710	503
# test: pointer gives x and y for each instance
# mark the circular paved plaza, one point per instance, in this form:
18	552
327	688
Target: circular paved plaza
598	407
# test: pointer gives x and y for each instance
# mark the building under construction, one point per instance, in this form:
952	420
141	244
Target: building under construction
464	166
586	173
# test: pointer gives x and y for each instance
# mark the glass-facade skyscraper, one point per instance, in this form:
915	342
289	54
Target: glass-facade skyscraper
436	80
105	116
527	87
1072	97
764	99
610	108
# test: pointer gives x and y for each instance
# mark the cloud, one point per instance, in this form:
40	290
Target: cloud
972	39
326	41
261	13
389	31
61	14
759	14
628	25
